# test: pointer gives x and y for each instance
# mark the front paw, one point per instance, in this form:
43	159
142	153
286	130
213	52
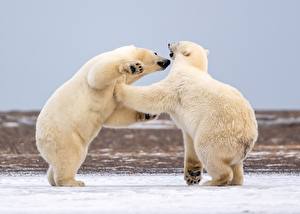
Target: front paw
146	117
134	67
193	176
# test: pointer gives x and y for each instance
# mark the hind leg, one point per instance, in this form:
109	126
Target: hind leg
66	178
220	172
192	165
50	176
64	174
238	174
68	161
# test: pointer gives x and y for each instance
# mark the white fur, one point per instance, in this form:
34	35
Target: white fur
218	124
75	113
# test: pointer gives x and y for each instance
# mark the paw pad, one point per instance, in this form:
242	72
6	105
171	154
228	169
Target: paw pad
195	173
136	68
193	177
147	116
132	68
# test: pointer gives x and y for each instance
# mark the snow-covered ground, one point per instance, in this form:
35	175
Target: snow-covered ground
271	193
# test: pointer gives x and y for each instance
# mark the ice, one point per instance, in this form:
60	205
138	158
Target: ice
12	121
10	124
262	193
280	121
154	124
30	121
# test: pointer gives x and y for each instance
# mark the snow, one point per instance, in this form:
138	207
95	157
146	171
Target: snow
263	120
154	124
10	124
280	121
262	193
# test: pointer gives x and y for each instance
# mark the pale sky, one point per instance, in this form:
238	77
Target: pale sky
254	45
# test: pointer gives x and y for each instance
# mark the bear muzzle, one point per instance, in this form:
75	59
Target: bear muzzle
164	63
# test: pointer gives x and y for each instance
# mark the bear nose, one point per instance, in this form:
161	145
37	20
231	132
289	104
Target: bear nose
164	63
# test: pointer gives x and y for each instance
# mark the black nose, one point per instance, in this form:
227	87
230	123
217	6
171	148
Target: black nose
165	63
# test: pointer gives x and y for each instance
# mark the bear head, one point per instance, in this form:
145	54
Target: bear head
151	62
190	52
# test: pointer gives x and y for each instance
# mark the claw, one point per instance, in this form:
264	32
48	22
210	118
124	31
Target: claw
193	176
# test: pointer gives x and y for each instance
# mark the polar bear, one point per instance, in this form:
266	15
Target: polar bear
75	113
218	124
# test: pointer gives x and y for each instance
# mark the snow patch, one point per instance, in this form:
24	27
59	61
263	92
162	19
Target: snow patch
154	124
279	121
273	193
10	124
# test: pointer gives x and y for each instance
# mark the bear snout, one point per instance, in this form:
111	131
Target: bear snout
164	63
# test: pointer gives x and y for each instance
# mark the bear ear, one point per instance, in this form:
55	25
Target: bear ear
207	51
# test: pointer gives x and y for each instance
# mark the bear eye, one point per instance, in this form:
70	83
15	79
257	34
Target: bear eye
186	53
155	53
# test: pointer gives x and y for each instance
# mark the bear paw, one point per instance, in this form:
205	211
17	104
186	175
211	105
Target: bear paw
193	176
70	183
132	68
146	117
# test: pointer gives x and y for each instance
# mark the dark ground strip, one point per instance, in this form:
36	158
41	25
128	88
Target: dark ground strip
150	150
264	159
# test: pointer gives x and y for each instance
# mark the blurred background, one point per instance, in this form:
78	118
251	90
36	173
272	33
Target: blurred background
254	45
